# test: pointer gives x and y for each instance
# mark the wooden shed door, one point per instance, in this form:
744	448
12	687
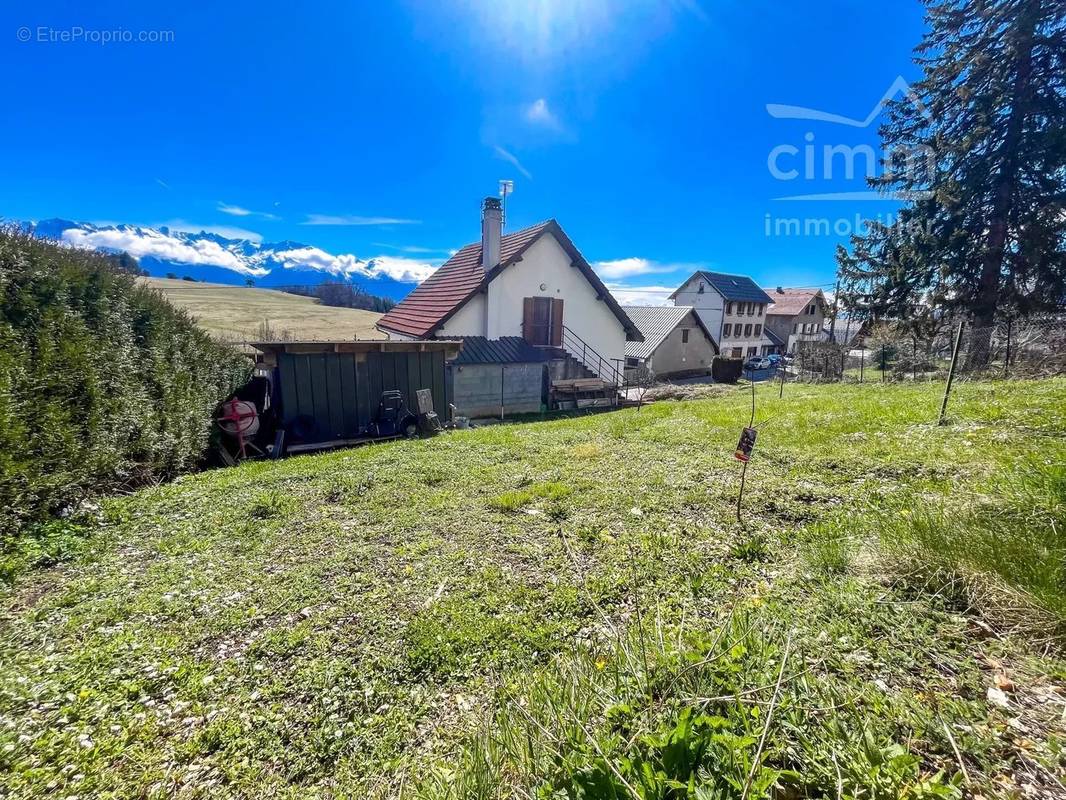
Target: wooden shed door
542	321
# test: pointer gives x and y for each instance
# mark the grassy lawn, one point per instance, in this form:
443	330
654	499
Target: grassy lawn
237	313
570	609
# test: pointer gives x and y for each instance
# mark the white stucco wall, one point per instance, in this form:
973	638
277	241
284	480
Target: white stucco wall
467	321
547	264
709	305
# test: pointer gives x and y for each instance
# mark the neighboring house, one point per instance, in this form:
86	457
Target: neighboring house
533	284
847	331
796	315
733	310
676	342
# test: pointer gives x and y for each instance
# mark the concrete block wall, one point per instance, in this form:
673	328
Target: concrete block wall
479	390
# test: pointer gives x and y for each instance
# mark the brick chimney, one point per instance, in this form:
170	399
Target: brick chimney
491	231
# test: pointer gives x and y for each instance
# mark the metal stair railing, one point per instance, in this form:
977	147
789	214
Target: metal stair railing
605	370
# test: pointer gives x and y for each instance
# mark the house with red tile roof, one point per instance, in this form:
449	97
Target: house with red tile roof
796	315
532	283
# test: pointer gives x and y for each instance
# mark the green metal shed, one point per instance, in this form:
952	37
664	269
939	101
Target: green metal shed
327	393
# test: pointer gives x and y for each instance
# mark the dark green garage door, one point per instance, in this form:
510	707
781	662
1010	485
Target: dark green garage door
328	396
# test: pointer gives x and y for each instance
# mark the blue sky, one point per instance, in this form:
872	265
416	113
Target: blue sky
641	126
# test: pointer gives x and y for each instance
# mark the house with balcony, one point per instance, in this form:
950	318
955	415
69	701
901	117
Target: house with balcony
796	316
528	295
732	308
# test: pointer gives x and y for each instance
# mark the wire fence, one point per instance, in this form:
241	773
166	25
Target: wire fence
890	354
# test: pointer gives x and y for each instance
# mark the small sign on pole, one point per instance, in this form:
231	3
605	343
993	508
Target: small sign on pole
746	444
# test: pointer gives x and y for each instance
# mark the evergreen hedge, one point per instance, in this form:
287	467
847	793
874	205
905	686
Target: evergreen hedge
103	384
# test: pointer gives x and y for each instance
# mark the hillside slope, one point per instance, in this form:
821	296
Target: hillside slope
557	609
238	313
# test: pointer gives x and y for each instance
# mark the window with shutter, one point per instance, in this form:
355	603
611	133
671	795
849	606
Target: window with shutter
537	323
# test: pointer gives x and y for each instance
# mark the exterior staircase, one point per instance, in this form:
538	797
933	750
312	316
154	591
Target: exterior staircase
582	378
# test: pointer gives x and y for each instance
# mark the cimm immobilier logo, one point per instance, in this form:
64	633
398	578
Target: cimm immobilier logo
822	165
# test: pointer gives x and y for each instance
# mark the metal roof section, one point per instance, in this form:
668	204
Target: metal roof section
656	323
773	337
737	288
505	350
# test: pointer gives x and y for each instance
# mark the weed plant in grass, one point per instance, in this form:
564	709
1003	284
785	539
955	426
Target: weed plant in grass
1003	541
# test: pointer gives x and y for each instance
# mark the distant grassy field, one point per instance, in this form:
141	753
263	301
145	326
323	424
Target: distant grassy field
570	609
238	313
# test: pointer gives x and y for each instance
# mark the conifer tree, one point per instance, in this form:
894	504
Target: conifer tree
977	152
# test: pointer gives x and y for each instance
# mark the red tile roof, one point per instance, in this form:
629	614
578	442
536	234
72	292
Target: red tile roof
445	291
790	302
441	294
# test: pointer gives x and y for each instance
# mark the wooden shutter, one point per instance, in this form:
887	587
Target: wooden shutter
557	322
528	331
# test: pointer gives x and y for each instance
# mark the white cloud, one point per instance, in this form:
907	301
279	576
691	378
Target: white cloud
348	219
642	295
512	159
410	248
538	113
408	270
142	242
628	267
239	211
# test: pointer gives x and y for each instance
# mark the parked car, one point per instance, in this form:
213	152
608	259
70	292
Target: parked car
774	359
757	362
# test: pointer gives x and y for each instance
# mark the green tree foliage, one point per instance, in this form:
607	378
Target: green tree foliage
342	294
978	152
102	383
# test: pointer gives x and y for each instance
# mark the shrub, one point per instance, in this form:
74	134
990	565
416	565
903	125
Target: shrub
726	370
103	384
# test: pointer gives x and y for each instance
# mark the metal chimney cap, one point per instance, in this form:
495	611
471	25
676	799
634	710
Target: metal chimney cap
491	202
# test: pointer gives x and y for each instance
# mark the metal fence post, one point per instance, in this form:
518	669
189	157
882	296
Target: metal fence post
951	373
862	361
882	363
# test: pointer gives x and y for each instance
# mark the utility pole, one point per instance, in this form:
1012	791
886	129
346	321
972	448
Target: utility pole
833	321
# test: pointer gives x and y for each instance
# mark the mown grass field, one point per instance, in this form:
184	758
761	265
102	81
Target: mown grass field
570	609
238	313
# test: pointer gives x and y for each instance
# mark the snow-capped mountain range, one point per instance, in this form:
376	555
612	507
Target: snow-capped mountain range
211	257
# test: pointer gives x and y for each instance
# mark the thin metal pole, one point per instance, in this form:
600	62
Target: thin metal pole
744	469
951	373
752	423
1006	361
862	361
882	363
740	494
